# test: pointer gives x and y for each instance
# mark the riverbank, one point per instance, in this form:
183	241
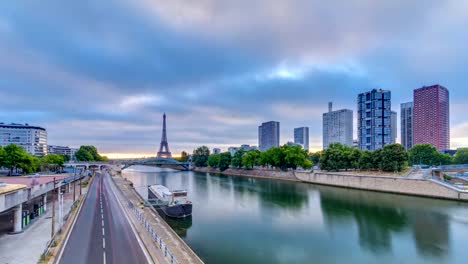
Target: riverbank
378	183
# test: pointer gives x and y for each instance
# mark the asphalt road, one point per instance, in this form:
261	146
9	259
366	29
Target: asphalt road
102	233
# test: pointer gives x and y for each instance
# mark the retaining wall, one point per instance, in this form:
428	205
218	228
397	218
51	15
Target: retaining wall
417	187
257	173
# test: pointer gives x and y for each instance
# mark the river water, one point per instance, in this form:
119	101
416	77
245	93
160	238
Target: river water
247	220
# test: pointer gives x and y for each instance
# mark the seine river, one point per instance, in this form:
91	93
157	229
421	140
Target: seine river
247	220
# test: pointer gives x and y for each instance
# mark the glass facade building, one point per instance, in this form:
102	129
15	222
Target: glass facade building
301	136
337	127
406	118
374	119
268	135
33	139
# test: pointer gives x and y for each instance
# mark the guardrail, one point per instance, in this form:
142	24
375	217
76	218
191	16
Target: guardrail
154	235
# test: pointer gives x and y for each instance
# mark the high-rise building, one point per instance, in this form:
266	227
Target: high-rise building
431	116
33	139
374	119
216	150
406	118
62	150
394	126
337	127
268	135
301	136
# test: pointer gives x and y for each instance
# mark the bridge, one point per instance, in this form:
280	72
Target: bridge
160	162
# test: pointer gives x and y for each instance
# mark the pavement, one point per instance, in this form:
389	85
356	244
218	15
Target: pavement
28	246
102	232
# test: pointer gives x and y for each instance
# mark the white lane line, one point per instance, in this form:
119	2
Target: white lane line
102	221
103	233
103	243
104	257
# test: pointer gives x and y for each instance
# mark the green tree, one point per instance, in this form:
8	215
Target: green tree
424	154
251	159
200	156
315	157
213	160
393	157
52	161
15	157
83	155
335	157
295	156
461	157
184	156
236	160
224	161
366	161
2	156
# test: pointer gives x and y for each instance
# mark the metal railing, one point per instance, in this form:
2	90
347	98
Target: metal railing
167	253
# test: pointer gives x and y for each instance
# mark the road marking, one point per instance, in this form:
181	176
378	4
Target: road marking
103	233
104	257
102	221
103	243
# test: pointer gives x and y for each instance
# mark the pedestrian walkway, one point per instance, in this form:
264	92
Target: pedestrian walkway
28	246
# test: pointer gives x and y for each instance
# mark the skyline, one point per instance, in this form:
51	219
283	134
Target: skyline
105	75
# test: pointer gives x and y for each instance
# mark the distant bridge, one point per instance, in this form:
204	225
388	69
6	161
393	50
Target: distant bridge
88	164
160	162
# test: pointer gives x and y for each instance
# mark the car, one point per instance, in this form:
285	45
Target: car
34	175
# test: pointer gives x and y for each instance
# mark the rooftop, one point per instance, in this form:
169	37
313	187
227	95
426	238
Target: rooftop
10	187
29	182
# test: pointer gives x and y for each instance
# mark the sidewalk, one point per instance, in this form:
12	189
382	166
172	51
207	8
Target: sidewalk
27	247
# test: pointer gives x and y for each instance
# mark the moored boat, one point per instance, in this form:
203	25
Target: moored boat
172	203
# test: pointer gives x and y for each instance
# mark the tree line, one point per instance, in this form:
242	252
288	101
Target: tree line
284	157
15	158
392	157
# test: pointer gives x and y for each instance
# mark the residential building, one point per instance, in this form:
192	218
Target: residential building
431	116
233	150
355	143
406	119
374	119
301	136
32	139
62	150
337	126
394	126
216	150
268	135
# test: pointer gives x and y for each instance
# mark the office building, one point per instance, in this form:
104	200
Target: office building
394	126
216	150
337	127
406	119
301	137
62	150
268	135
374	119
431	116
33	139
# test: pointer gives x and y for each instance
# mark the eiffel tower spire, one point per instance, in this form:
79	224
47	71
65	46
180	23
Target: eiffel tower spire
164	146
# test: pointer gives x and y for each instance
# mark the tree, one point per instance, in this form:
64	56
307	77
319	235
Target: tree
251	159
366	161
461	157
213	160
335	157
2	156
393	157
424	154
83	155
295	156
52	161
315	157
236	160
15	157
184	156
200	156
224	161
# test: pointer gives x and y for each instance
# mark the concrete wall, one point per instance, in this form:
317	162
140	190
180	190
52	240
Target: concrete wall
384	184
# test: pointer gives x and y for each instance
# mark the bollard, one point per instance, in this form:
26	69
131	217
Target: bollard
165	251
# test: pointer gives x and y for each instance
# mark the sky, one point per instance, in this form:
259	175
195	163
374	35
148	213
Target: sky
103	72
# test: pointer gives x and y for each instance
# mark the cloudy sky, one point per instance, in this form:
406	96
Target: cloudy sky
103	72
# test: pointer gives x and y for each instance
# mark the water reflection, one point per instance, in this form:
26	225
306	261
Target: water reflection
249	220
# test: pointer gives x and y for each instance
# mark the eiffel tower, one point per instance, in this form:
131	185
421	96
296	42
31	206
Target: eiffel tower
164	147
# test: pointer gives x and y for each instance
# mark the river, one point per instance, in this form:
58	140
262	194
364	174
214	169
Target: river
248	220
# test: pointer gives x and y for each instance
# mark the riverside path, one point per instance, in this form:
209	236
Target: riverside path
102	232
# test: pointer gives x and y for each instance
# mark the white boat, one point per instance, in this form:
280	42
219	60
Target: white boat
172	203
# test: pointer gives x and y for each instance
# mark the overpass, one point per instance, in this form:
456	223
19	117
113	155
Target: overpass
88	164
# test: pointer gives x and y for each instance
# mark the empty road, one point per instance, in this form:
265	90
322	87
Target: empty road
102	232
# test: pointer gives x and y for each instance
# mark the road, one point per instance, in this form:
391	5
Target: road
102	232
